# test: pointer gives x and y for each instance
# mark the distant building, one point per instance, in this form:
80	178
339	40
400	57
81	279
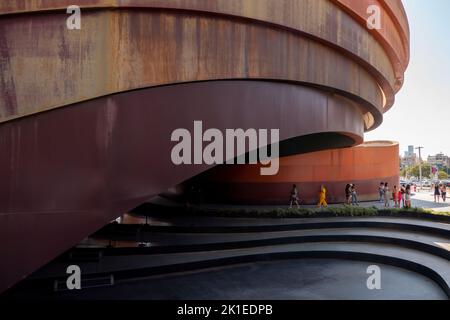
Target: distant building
409	159
410	150
439	160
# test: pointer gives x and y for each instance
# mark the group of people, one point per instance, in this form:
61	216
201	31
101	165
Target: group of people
400	195
296	200
440	190
350	192
351	195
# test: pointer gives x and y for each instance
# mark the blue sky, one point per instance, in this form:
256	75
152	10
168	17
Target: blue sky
421	114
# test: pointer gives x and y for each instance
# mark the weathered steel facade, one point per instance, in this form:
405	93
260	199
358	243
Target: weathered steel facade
86	115
366	166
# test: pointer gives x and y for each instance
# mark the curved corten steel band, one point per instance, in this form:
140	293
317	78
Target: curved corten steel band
180	48
365	165
393	34
71	170
86	115
294	14
356	43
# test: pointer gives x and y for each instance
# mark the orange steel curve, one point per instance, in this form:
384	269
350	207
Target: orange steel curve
86	115
366	165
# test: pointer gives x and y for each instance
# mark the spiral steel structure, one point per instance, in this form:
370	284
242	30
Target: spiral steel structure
86	115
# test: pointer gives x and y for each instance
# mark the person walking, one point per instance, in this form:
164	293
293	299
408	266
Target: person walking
386	195
395	197
381	191
348	194
294	196
322	197
402	196
437	193
444	192
354	195
408	196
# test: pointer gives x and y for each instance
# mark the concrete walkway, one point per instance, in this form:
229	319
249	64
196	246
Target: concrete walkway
421	199
202	221
425	199
412	244
297	279
420	247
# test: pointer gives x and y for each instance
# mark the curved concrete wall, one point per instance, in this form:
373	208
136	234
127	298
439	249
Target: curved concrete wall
86	115
365	165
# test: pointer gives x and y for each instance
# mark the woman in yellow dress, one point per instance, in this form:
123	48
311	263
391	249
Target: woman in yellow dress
322	197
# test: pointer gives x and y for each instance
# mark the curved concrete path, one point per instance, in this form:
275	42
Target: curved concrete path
412	244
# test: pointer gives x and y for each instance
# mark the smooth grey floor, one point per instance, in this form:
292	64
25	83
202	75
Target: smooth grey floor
287	279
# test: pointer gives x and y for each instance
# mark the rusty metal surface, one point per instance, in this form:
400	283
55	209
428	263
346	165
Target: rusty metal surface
397	10
78	148
84	57
67	172
151	48
295	14
393	35
366	165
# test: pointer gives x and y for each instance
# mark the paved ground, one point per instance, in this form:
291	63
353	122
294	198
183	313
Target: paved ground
289	279
421	199
425	199
279	279
204	221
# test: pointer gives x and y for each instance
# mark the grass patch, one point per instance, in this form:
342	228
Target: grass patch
342	211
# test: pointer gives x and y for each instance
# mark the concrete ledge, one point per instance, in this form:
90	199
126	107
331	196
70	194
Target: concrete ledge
328	223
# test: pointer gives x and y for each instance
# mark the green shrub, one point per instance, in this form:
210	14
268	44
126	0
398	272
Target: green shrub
339	211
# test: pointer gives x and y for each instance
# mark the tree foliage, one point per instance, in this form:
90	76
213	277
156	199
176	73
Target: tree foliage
442	175
414	171
426	172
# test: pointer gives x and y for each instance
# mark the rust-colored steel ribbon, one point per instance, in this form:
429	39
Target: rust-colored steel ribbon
366	166
86	115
